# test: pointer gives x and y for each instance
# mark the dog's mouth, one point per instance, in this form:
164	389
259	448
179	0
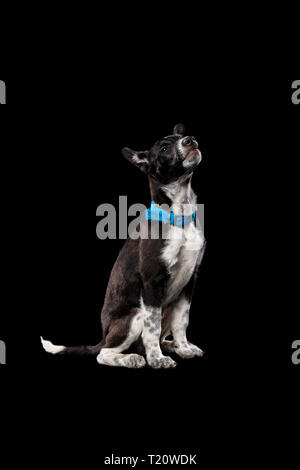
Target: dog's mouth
193	153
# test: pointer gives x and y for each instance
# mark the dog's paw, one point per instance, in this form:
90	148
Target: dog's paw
195	350
133	361
188	351
161	362
184	350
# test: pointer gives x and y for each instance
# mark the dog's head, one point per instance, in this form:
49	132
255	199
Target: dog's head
169	158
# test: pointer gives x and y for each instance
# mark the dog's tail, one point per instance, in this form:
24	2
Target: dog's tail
81	350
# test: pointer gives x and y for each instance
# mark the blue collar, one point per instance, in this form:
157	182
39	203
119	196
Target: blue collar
156	213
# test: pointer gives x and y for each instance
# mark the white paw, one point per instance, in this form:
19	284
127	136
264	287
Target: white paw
133	361
188	351
161	362
196	351
184	350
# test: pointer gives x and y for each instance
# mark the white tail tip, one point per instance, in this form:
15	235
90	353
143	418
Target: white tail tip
51	348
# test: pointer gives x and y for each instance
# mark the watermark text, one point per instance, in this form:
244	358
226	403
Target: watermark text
2	352
296	353
296	92
2	92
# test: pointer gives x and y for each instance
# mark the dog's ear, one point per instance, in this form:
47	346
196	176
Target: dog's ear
139	159
179	129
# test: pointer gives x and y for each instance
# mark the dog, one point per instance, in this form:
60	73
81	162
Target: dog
150	289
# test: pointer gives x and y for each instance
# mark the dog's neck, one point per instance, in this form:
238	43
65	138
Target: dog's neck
179	195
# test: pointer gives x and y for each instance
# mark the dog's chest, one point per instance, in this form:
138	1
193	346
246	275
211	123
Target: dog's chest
180	255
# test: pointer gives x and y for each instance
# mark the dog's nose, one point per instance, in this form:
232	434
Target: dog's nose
188	141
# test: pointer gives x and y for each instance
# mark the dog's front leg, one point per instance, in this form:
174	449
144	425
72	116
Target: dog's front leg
151	337
178	325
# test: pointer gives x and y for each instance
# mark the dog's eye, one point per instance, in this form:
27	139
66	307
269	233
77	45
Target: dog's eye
164	149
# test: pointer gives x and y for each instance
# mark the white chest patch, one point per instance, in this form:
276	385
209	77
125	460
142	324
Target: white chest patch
180	255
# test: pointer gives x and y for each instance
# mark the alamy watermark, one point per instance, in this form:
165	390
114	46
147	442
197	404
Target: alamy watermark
2	92
2	352
114	221
296	92
296	353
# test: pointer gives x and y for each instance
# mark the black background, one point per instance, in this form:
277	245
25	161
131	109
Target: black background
66	134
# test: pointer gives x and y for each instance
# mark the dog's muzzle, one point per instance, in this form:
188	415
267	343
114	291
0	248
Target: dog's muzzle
190	147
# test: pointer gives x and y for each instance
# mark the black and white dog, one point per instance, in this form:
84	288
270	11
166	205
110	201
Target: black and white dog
150	289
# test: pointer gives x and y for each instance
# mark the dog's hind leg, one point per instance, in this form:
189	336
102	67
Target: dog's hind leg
125	332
